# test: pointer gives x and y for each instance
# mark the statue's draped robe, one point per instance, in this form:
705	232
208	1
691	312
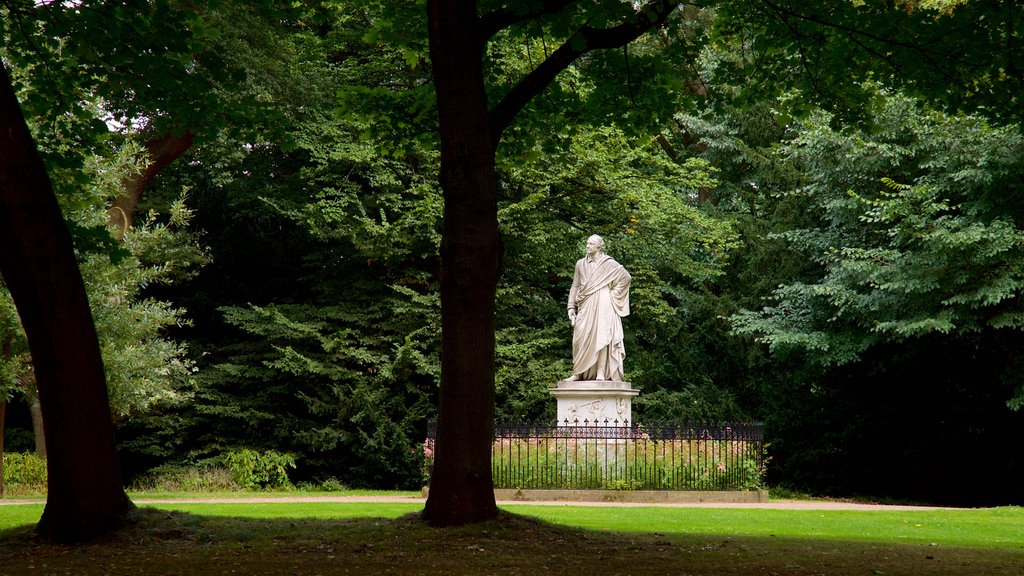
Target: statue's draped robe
600	295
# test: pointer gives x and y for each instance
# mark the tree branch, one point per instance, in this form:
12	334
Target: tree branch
584	40
497	20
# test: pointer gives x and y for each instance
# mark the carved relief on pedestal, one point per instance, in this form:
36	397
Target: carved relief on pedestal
594	403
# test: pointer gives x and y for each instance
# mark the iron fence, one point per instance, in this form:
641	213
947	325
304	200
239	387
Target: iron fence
623	456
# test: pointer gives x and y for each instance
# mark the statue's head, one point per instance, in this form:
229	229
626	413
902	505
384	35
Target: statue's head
595	244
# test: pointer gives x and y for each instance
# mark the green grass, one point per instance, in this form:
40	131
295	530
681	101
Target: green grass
13	516
19	514
982	528
530	539
996	528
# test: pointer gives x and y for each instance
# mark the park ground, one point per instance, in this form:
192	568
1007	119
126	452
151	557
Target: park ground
383	535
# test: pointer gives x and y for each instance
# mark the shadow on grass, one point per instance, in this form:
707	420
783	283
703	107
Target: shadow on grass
158	542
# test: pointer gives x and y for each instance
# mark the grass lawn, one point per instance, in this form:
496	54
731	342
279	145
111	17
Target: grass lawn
387	538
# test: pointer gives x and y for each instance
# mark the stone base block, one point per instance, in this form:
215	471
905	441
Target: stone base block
594	402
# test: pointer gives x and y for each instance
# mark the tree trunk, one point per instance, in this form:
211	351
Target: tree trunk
5	355
85	496
38	427
461	487
160	152
3	413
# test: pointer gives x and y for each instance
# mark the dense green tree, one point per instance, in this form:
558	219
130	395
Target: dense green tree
11	339
962	55
767	66
358	348
143	367
916	233
92	175
79	67
355	316
600	180
331	225
911	223
85	495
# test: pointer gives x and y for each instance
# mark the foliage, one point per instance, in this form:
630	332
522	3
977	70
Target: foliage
362	416
332	346
23	472
205	477
958	55
264	469
153	68
143	366
366	335
12	342
71	95
644	204
938	254
695	402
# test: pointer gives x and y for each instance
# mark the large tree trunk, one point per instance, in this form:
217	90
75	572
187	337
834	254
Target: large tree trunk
85	494
461	487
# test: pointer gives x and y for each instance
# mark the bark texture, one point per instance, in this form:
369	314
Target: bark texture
461	488
85	494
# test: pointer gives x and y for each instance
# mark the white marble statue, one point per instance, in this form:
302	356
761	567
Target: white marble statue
598	300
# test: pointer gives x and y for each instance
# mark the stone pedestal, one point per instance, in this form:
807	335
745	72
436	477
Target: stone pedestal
594	402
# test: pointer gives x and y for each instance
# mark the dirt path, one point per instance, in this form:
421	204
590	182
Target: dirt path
777	504
771	505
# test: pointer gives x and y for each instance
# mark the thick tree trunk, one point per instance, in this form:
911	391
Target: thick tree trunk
85	494
461	487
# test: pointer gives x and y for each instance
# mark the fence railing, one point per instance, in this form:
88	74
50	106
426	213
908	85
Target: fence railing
624	456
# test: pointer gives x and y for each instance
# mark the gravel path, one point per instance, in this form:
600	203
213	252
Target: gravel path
771	505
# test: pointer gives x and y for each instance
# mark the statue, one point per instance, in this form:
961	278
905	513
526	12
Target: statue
598	300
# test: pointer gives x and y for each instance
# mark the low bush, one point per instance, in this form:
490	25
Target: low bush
260	470
206	477
24	474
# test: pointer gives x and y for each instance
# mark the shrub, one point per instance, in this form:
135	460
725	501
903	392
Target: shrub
24	473
203	477
259	470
